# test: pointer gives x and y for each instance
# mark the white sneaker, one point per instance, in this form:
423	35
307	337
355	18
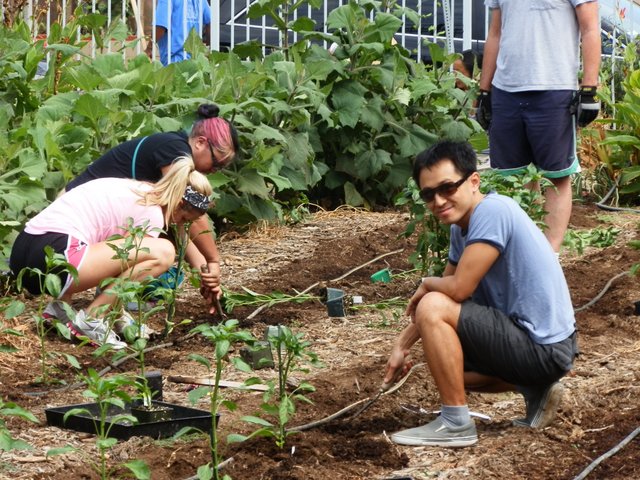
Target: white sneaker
95	330
127	320
54	310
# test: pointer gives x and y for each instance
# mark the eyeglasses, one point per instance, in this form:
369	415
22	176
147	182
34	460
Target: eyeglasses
444	190
215	163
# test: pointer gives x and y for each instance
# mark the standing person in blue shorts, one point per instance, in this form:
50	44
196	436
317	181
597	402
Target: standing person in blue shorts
499	319
529	96
212	143
175	19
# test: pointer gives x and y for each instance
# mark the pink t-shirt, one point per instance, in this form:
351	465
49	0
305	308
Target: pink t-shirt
96	210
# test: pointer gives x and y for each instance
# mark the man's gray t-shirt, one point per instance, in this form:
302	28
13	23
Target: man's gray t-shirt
526	281
539	45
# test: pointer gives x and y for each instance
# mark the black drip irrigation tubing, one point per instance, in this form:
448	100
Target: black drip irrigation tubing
601	204
602	292
119	362
608	454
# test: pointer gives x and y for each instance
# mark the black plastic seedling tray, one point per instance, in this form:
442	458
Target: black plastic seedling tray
123	430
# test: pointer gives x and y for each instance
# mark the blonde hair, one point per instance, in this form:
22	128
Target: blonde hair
170	189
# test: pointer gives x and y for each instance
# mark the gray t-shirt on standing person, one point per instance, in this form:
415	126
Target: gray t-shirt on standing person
539	45
526	281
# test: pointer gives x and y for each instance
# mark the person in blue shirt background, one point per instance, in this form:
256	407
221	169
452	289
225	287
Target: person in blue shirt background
170	24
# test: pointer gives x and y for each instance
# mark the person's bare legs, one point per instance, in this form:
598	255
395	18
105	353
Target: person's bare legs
154	257
558	202
477	382
437	320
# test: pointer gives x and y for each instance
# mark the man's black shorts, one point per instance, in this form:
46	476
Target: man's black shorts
495	345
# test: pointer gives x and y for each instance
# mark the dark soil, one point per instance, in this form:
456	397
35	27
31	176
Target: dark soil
599	410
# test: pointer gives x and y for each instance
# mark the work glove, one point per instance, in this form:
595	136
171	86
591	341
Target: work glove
483	109
588	106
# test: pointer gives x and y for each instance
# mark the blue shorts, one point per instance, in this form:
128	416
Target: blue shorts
495	345
536	127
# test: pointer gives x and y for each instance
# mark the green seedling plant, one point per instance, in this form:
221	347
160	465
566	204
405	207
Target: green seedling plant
131	290
51	285
11	410
635	268
432	247
110	397
169	294
291	353
251	298
222	336
577	240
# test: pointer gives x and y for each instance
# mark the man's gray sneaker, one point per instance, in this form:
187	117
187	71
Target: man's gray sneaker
56	310
95	330
437	434
542	405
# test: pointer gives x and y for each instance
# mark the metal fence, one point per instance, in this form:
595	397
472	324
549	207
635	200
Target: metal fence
457	24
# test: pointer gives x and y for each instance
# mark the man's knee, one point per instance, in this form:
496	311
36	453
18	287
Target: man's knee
436	307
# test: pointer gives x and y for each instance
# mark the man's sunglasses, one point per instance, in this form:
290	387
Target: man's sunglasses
444	190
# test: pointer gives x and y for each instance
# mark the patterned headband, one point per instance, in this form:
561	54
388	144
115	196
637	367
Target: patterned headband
196	199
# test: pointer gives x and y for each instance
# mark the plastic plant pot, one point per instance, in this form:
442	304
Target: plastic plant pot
636	310
154	380
154	413
335	302
259	356
383	276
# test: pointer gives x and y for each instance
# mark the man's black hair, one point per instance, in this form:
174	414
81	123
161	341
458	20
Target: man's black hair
460	153
470	59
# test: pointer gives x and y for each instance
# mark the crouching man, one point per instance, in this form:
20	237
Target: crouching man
499	319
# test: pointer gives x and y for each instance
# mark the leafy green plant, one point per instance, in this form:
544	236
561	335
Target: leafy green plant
620	150
315	127
577	240
110	397
251	298
51	286
290	351
7	441
635	268
432	247
222	336
518	188
169	295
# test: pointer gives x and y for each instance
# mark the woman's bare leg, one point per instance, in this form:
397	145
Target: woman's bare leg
154	257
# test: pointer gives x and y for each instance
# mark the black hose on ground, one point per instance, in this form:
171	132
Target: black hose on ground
601	204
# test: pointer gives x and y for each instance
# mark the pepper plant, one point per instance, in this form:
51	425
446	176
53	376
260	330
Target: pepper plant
51	287
110	397
291	353
222	336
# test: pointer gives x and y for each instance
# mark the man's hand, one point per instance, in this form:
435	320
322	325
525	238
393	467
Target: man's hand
397	367
588	106
483	110
413	302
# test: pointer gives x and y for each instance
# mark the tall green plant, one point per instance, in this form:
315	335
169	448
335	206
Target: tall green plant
222	336
290	353
620	150
110	397
51	287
